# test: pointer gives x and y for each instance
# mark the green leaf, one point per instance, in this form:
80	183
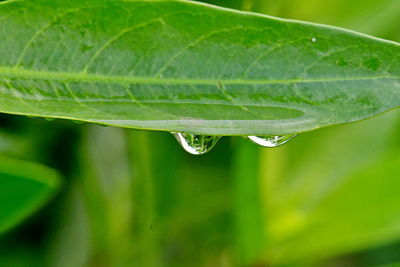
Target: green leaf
24	188
185	66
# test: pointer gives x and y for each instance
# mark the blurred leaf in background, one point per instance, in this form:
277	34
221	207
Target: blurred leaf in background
24	188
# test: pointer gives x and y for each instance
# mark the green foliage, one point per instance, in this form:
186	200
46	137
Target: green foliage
332	193
24	188
132	198
182	66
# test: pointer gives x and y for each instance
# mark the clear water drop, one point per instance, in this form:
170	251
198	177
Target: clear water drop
314	39
196	144
271	141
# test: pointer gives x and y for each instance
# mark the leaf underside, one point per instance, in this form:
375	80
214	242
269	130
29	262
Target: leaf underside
189	67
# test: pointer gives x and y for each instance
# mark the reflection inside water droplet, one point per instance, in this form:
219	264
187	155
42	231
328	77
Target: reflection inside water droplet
314	39
271	141
196	144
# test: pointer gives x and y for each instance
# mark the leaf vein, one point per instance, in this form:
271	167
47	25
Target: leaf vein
43	29
118	36
192	44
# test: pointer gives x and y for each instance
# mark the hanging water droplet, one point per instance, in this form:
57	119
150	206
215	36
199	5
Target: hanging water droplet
271	141
196	144
49	119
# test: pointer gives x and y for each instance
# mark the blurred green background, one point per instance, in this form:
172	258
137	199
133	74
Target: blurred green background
132	198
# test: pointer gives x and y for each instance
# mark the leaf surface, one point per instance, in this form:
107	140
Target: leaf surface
184	66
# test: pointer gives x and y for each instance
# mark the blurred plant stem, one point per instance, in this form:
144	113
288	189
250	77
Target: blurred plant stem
122	192
70	240
146	249
107	187
250	221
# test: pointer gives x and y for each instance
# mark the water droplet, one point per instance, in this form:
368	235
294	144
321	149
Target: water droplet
49	119
314	39
196	144
271	141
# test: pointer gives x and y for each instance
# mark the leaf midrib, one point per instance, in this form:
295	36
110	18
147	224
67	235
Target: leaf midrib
12	72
